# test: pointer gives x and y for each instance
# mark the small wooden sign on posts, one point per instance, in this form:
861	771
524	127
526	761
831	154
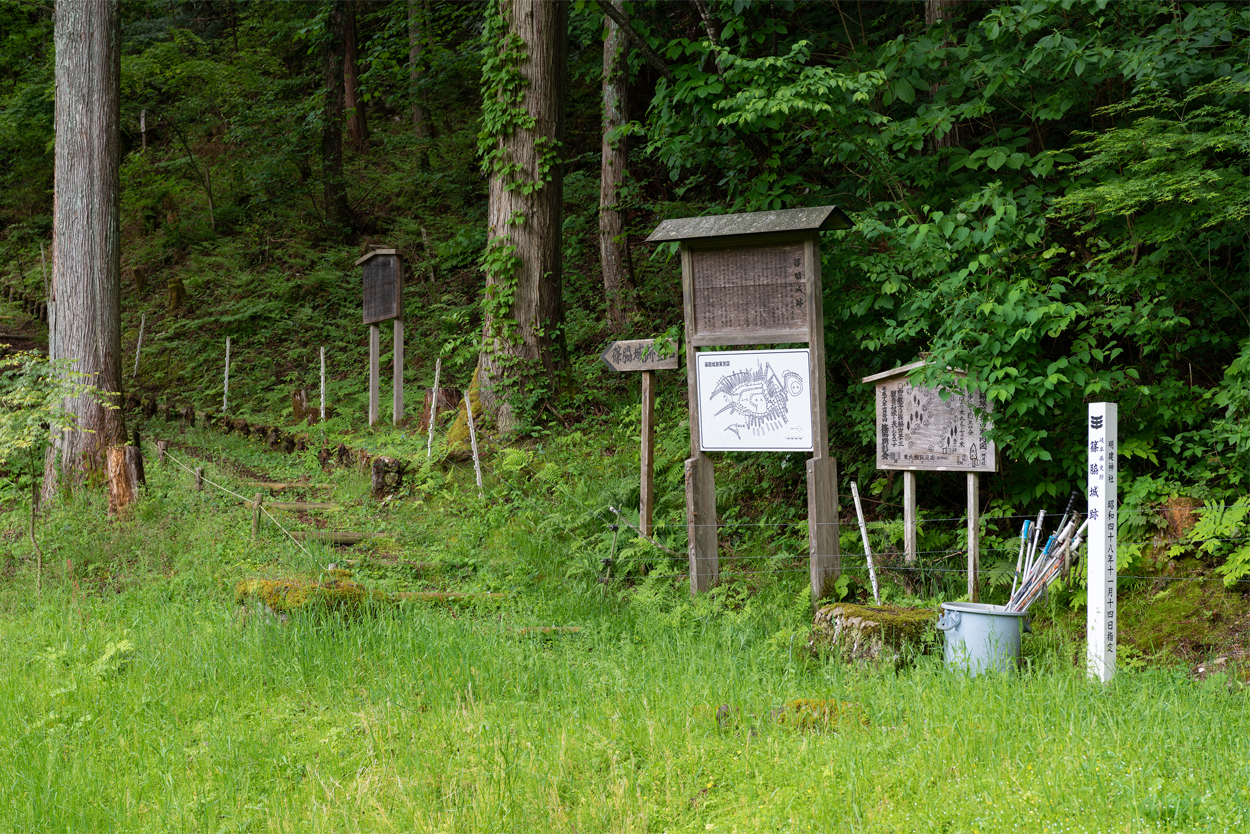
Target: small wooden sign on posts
918	430
646	356
383	290
754	279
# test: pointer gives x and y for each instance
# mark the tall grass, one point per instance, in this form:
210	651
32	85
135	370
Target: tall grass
135	696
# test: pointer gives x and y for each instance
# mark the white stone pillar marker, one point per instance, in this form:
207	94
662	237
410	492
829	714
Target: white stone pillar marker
1100	622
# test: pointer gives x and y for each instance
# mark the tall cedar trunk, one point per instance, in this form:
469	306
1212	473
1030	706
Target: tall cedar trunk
936	11
86	242
613	246
418	30
357	126
334	191
533	358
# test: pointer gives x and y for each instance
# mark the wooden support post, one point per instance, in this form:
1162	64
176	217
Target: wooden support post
225	385
974	535
162	446
375	337
323	384
646	499
477	465
701	523
397	375
701	528
199	479
429	441
823	533
911	545
256	514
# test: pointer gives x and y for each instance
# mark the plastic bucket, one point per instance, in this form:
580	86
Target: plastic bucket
982	637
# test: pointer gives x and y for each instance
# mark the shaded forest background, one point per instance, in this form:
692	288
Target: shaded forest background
1053	196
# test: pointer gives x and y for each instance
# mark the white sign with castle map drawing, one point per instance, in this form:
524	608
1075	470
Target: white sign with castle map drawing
754	401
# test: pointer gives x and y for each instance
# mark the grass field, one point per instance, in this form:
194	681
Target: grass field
135	695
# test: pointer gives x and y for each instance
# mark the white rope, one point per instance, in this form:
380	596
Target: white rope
241	498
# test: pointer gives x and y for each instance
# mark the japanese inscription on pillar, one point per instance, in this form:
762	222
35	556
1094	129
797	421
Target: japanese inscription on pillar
919	430
1101	576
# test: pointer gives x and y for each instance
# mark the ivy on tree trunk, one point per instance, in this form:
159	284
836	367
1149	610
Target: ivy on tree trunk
523	76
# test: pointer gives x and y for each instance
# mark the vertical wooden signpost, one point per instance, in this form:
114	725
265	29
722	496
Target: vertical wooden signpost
1101	491
646	356
754	279
917	430
383	279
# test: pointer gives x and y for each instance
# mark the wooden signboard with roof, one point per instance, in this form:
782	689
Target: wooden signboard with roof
383	299
918	430
754	279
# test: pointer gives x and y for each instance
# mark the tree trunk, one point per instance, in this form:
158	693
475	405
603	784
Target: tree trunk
418	30
613	245
523	356
357	126
334	191
936	11
86	246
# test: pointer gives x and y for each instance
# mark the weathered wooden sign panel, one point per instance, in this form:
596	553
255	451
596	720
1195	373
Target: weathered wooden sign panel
383	286
754	400
642	355
757	288
918	430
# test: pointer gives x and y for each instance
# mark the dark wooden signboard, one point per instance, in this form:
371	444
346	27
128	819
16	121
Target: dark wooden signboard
383	286
753	289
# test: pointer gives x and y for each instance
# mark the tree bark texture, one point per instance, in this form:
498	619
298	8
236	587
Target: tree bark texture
86	245
528	218
937	11
334	192
121	486
357	125
418	29
613	245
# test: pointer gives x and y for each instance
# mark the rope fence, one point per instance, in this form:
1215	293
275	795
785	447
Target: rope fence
517	492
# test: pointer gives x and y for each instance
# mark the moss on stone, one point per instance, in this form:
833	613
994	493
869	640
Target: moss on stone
458	445
326	593
864	632
820	714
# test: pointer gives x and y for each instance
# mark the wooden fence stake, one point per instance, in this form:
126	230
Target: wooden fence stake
199	479
256	514
138	347
162	446
225	386
429	442
477	466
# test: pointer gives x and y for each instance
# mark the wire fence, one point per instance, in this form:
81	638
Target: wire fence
889	558
595	543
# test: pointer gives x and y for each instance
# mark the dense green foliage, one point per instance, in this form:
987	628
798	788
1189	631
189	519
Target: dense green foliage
1051	196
